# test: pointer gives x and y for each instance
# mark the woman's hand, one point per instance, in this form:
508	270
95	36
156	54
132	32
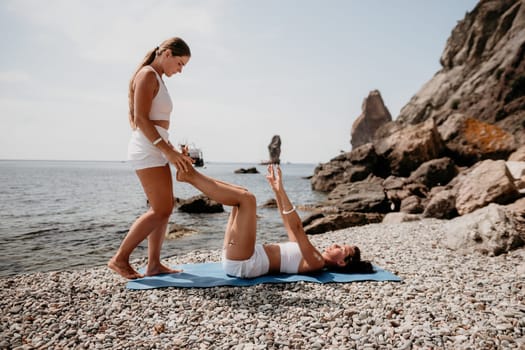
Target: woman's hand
181	161
274	177
185	150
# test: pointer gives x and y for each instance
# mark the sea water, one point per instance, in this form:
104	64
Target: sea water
57	215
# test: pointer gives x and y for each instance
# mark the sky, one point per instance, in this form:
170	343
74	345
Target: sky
295	68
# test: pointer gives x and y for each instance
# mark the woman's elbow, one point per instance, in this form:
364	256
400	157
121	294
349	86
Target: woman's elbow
141	121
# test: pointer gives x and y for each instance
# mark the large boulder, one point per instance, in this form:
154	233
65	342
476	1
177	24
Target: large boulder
374	114
407	148
518	155
469	140
491	230
489	181
516	169
412	205
363	196
322	223
200	204
435	172
518	208
441	205
396	191
347	167
328	175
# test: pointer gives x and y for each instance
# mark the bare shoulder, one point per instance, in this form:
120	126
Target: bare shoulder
146	78
306	267
312	261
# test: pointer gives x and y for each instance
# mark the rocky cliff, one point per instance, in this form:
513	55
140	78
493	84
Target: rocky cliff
457	147
483	71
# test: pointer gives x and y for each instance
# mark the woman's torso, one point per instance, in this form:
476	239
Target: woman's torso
161	105
274	253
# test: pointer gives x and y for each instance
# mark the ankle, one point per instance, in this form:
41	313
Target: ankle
119	259
150	266
182	176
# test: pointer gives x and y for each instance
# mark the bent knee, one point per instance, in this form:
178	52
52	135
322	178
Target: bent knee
162	212
248	198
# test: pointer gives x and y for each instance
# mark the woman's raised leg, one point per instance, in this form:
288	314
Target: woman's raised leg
240	233
231	220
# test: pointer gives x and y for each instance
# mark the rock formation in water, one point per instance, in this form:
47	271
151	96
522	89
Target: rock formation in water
274	148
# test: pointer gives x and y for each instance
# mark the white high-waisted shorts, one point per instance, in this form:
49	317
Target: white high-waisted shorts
142	153
257	265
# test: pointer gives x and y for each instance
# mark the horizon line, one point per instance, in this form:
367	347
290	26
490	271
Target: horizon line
125	161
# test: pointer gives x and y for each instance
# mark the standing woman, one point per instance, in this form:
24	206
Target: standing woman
150	154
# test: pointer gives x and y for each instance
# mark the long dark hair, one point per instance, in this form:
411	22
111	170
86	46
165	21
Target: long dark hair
176	45
354	264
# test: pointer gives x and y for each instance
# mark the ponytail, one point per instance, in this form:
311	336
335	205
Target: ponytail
148	59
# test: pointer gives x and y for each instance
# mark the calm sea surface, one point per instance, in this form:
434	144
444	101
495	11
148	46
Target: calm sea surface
57	215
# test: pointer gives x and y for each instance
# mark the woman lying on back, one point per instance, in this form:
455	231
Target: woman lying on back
243	257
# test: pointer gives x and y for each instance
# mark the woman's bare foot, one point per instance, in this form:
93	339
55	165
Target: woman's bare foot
184	176
159	269
124	269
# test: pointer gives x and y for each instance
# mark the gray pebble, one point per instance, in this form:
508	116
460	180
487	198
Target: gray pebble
446	300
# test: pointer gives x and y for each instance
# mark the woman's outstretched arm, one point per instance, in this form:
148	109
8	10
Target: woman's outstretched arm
291	220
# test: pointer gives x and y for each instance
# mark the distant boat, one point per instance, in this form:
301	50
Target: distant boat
196	154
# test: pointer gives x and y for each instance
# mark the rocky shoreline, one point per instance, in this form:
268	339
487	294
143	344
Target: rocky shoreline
456	151
446	300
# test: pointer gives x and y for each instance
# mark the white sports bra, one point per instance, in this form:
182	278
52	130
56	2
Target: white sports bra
290	257
161	105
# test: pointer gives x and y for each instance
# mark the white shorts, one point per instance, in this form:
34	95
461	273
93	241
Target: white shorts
144	154
257	265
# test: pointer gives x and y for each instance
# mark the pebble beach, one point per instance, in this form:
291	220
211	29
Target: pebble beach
445	301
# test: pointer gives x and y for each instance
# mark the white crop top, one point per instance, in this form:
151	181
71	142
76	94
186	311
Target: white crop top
290	257
161	105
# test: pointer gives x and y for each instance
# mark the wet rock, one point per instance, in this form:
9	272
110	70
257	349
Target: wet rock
252	170
200	204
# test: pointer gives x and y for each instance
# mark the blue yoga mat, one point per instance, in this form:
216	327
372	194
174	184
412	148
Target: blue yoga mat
206	275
